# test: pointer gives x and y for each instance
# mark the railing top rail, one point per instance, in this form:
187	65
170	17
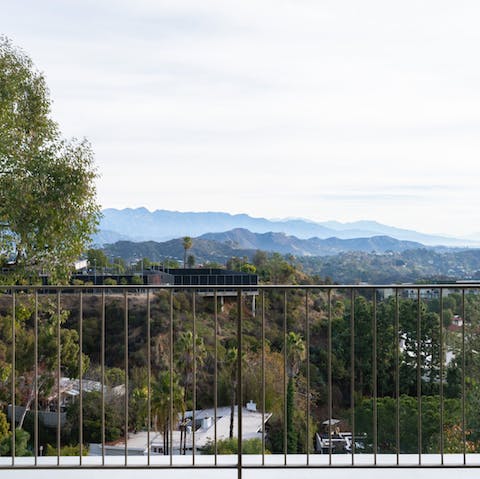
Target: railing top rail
83	287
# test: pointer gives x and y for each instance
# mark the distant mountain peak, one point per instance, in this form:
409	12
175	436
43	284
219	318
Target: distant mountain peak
140	224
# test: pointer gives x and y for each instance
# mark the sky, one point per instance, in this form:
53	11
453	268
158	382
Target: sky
327	110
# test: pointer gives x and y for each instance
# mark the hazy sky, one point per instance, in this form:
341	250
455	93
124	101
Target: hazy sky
324	109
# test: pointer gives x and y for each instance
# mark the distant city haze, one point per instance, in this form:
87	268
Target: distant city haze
334	110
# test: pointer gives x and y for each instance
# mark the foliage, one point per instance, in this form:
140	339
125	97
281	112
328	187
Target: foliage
395	267
190	260
187	244
92	417
50	324
430	421
49	228
166	401
66	450
21	444
96	258
136	279
230	446
4	426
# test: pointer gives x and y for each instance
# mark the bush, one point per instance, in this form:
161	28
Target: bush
66	450
137	279
230	446
21	442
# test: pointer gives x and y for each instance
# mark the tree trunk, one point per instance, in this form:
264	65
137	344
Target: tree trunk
164	440
232	408
31	398
181	438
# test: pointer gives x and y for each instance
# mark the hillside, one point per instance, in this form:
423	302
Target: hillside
203	250
402	267
285	244
387	266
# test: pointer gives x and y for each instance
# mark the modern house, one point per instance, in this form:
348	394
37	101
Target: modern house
206	422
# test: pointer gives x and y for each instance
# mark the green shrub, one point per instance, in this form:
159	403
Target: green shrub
230	446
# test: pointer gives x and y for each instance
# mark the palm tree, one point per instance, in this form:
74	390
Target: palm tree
231	363
161	398
295	353
187	244
185	358
231	356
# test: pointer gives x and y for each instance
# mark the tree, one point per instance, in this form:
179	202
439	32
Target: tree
187	244
119	265
164	398
191	260
96	258
231	360
295	353
190	351
3	426
49	322
47	193
248	268
21	443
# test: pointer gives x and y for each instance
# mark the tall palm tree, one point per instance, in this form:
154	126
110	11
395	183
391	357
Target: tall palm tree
231	356
184	350
187	244
231	364
295	353
161	398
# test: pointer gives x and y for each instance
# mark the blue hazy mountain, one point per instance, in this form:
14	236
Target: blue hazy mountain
140	224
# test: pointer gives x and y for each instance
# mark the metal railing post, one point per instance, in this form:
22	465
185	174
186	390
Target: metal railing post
239	381
14	379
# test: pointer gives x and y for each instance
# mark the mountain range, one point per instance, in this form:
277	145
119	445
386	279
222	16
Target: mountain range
219	247
240	238
140	224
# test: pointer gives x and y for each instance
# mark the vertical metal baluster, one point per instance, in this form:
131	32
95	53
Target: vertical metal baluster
419	378
307	340
149	378
285	411
441	377
171	384
464	436
194	386
102	366
352	368
35	353
239	381
375	379
14	379
263	377
125	298
330	413
215	377
397	377
80	377
59	365
171	362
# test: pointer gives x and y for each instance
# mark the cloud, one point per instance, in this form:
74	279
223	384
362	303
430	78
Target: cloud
269	106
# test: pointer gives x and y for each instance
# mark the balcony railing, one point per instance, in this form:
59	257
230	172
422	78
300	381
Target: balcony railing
312	376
